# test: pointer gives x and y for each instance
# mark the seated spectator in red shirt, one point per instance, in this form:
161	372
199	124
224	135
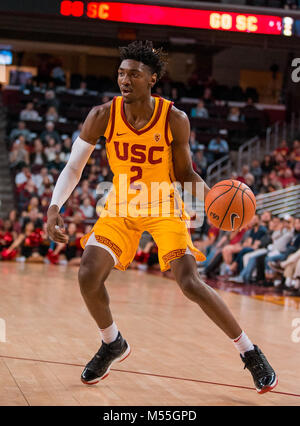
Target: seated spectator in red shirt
7	234
14	218
287	178
27	191
283	148
47	190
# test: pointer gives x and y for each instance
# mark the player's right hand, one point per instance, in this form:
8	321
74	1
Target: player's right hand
55	227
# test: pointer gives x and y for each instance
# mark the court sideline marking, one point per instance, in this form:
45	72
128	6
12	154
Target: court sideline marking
152	375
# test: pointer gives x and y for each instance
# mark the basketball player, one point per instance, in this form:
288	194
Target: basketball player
147	139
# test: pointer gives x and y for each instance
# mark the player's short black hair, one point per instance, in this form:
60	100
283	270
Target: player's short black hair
143	51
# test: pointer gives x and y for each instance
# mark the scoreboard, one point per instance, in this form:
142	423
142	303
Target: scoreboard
173	16
157	14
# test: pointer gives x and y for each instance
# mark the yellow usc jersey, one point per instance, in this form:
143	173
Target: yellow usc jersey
141	161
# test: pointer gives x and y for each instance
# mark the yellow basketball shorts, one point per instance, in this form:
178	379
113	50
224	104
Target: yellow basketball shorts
122	235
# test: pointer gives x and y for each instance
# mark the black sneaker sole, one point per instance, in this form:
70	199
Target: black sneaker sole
120	359
268	388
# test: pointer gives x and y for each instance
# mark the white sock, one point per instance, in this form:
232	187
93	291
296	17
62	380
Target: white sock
288	282
110	333
243	343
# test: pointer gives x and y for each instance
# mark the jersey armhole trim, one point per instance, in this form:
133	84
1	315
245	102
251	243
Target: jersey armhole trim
167	124
113	115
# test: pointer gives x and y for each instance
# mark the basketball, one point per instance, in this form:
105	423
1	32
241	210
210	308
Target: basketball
230	205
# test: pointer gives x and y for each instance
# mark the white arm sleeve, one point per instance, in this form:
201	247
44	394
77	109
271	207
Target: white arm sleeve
72	172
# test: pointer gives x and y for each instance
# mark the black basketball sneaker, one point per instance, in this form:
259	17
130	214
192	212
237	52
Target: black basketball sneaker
263	374
99	366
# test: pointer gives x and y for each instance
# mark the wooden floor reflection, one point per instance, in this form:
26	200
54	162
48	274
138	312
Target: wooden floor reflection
179	357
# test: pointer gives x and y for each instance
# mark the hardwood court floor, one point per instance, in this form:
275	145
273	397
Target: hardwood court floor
179	357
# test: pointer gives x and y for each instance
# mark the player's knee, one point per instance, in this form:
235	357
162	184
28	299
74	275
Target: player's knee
90	279
191	287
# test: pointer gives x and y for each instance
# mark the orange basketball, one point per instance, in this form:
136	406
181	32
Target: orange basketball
230	205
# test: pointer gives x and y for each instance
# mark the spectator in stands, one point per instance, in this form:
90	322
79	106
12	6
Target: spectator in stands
37	156
77	132
51	149
267	164
287	179
295	149
283	149
20	130
87	209
51	99
218	145
252	242
49	132
66	149
200	111
22	176
58	75
274	180
246	177
290	268
257	173
29	113
14	219
274	231
296	170
207	97
40	178
51	114
194	144
26	191
30	85
200	162
215	256
279	251
234	114
82	90
55	166
296	154
250	106
19	155
175	94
